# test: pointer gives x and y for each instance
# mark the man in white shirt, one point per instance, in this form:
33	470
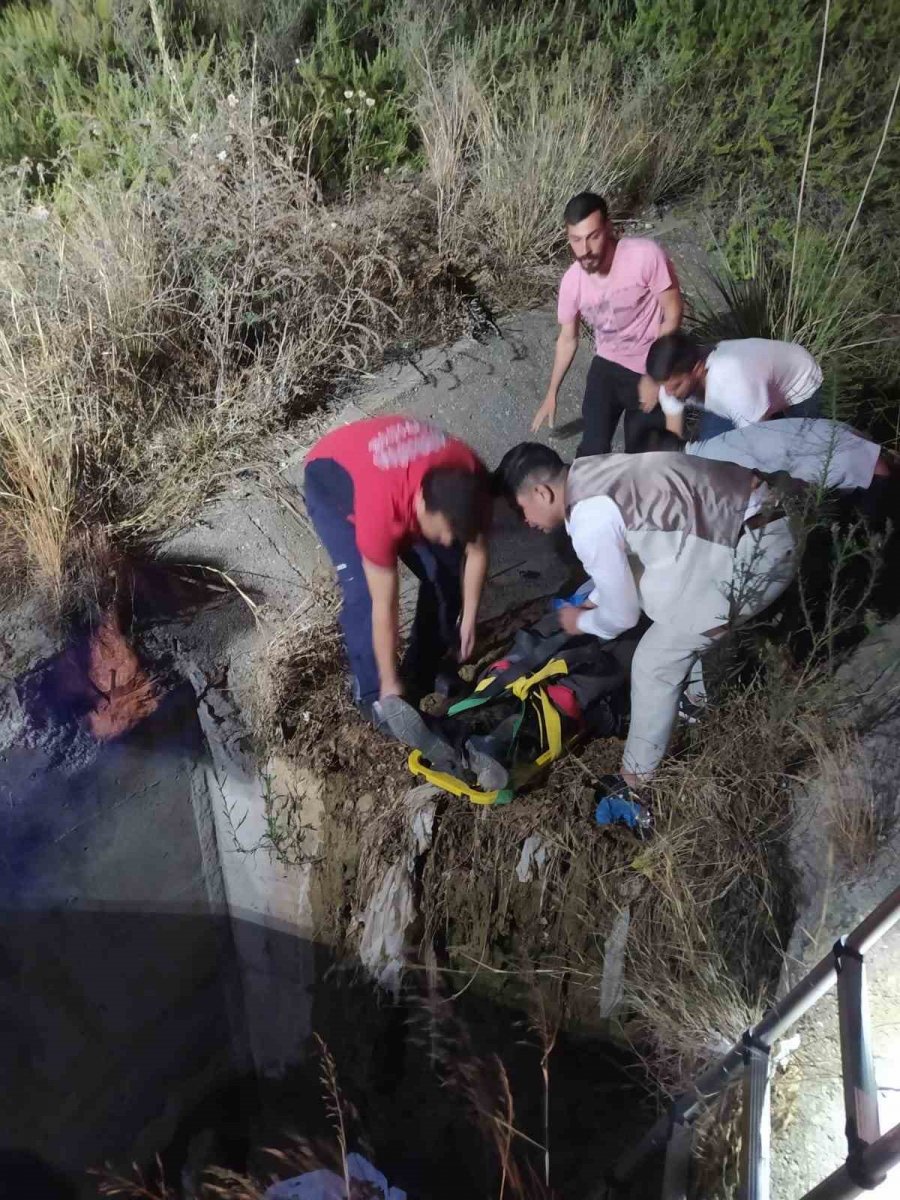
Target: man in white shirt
687	541
739	382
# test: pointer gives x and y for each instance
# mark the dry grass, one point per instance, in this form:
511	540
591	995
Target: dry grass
844	789
706	895
139	1185
37	495
153	340
705	935
503	162
483	1084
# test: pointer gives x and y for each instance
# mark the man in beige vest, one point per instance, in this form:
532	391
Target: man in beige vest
697	545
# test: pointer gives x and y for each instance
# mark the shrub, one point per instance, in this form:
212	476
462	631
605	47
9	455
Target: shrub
831	308
344	108
156	336
504	156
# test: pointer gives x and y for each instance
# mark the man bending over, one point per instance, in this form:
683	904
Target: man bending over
693	543
389	489
736	383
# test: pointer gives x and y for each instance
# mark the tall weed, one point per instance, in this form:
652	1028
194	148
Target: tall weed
831	309
344	108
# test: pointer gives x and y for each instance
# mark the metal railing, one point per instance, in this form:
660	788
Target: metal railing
870	1154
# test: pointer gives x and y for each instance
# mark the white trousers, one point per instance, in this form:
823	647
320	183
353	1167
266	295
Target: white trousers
824	453
667	656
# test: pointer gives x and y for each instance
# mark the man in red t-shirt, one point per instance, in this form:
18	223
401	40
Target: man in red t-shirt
391	488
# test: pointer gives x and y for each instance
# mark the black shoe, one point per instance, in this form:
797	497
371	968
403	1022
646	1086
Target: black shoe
689	713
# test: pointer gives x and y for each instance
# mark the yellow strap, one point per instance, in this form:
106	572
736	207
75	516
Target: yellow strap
448	783
521	687
552	732
552	728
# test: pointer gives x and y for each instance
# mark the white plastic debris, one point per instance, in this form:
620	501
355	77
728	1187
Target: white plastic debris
421	806
389	913
612	981
533	858
391	909
327	1185
786	1048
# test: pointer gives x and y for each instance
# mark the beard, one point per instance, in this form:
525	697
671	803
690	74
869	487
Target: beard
590	263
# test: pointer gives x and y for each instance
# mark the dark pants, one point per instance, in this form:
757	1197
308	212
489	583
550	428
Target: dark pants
610	391
711	424
810	407
329	502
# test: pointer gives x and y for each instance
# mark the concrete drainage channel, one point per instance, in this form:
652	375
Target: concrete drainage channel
149	965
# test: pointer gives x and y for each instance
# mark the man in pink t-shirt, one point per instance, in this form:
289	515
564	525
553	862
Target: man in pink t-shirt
627	291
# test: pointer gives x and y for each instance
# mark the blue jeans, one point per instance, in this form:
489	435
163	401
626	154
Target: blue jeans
328	491
711	425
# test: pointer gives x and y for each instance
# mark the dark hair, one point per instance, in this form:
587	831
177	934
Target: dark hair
673	354
529	462
582	206
462	497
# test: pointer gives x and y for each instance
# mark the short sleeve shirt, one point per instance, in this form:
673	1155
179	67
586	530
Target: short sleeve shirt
387	458
623	306
747	377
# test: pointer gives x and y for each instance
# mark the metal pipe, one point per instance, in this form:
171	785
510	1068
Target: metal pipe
678	1162
798	1001
875	1161
873	927
884	1154
774	1024
857	1067
756	1125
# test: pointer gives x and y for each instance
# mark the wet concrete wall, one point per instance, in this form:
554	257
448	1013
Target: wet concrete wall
120	1002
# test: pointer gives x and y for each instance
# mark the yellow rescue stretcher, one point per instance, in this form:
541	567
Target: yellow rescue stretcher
531	691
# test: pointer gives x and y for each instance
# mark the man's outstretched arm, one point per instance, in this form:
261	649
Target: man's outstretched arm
384	590
598	536
566	348
474	574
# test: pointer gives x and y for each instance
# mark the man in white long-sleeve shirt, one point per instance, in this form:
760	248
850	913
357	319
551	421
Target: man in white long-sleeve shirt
695	544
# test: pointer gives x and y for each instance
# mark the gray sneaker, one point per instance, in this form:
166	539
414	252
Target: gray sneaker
490	774
394	716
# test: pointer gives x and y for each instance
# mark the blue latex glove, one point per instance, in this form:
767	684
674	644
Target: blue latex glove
617	810
577	598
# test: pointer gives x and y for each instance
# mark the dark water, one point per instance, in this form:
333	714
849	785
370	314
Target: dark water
399	1070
